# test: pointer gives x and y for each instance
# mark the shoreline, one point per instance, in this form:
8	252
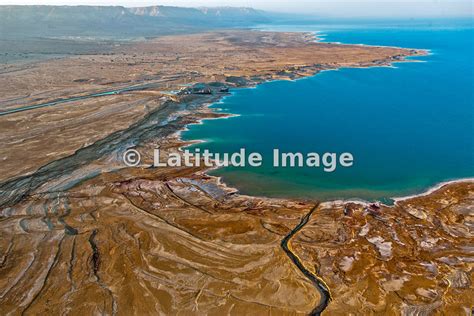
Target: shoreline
94	216
292	76
320	37
432	189
253	85
360	201
337	202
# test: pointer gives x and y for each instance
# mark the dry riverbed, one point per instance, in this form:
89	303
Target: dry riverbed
83	234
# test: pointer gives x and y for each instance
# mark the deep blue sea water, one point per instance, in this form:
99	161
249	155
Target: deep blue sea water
408	127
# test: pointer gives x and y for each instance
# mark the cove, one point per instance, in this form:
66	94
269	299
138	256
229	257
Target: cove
408	127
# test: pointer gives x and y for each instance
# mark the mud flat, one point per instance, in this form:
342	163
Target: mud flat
154	240
81	233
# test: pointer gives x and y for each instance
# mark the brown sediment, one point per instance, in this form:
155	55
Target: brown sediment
164	66
395	259
82	234
322	287
175	240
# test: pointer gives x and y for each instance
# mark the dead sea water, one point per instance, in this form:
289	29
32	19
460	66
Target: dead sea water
408	127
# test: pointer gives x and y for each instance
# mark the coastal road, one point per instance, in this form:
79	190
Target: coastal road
138	87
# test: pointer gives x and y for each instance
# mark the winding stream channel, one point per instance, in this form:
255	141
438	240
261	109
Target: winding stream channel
317	281
154	125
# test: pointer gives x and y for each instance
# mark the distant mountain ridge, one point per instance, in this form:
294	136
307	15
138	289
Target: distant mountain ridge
119	21
169	11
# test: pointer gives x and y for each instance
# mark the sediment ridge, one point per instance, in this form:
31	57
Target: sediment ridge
83	233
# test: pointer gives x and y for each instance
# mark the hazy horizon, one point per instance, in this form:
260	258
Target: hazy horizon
348	8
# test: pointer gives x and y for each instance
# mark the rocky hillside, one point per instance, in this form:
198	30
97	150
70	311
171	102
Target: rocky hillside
117	21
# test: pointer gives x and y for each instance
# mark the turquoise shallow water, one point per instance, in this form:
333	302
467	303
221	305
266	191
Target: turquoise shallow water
408	127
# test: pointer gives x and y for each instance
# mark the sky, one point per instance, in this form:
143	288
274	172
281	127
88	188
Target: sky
373	8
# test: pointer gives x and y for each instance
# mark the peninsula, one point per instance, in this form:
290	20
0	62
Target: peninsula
82	233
